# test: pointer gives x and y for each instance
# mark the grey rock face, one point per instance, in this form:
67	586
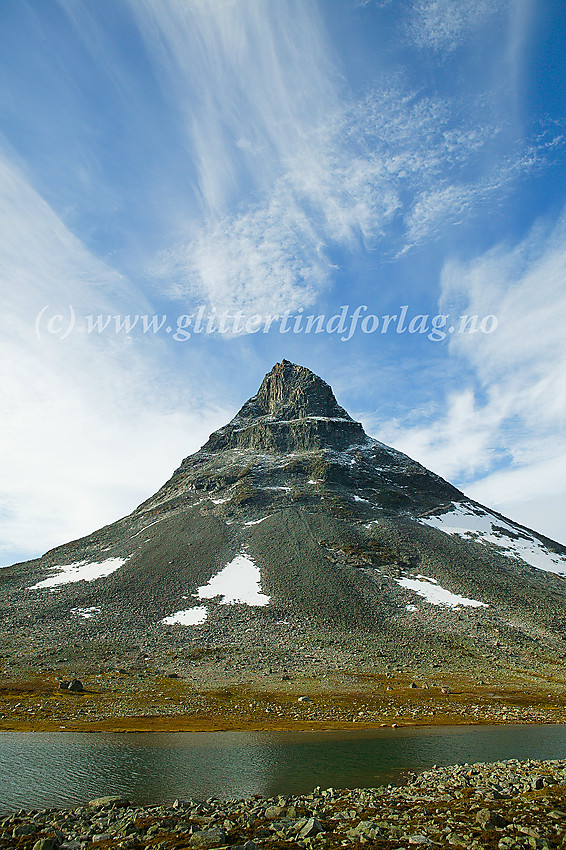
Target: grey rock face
294	410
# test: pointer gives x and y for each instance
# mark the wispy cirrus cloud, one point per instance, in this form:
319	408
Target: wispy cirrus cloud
380	4
502	435
40	254
247	78
77	414
445	25
283	164
389	172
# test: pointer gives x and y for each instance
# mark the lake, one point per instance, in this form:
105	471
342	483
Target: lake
58	769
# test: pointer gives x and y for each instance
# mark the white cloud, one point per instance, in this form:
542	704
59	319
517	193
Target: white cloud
372	170
542	479
524	287
502	435
380	4
247	77
40	255
80	415
446	24
460	444
288	165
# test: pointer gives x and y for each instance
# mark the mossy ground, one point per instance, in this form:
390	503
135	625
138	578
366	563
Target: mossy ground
147	702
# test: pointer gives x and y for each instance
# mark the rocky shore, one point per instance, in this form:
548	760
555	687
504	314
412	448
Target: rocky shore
505	805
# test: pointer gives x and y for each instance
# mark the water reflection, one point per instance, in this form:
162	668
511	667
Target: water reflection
40	770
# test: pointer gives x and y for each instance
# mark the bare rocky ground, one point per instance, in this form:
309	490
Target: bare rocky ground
249	668
191	688
508	805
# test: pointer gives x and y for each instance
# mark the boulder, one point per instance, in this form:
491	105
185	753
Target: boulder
45	844
208	838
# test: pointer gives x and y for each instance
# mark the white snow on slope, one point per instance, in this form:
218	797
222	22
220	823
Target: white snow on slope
81	571
239	581
86	613
147	526
188	617
437	595
484	527
257	521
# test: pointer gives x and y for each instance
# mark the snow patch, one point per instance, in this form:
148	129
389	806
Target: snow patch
474	524
239	581
276	421
219	501
147	526
86	613
411	608
257	521
81	571
437	595
359	499
188	617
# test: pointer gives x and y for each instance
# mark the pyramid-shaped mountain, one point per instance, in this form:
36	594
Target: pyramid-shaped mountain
291	531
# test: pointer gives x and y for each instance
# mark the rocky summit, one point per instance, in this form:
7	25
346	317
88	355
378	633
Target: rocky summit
293	542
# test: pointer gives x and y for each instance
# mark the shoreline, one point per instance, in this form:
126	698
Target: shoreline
172	725
508	804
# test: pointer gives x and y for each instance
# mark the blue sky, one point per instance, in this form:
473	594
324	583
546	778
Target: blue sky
161	156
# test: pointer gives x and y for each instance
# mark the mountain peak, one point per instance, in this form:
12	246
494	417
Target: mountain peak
293	410
291	521
290	391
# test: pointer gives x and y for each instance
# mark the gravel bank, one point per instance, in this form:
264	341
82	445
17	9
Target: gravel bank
508	804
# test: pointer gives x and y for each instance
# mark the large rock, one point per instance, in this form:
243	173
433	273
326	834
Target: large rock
46	844
312	827
208	838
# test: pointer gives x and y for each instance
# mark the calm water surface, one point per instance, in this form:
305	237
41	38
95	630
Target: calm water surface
40	770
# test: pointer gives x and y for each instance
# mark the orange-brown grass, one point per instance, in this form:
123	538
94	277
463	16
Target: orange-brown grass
358	701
